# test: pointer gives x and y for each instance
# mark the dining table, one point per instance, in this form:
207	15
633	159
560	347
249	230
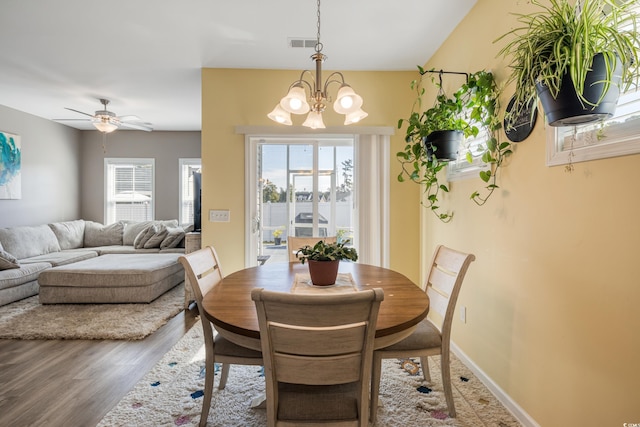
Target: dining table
232	311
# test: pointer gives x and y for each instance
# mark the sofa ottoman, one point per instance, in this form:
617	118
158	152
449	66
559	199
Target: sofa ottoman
111	278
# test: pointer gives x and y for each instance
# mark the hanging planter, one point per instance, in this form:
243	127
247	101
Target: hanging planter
600	101
569	38
444	144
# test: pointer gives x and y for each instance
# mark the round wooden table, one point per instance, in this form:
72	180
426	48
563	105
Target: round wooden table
230	308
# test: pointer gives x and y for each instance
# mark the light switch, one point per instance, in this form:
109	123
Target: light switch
219	215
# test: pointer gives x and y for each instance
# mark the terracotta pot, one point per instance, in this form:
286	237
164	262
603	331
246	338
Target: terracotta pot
323	273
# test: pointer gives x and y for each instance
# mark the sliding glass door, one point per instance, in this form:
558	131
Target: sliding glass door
305	187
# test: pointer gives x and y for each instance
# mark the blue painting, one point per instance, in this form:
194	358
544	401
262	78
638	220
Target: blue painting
10	159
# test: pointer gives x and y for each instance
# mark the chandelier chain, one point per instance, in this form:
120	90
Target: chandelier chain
318	44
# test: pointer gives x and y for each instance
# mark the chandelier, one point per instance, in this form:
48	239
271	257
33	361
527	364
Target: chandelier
297	101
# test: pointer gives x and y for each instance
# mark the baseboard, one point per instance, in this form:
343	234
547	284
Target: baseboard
519	413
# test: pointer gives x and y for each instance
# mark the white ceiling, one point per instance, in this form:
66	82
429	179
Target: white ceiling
146	55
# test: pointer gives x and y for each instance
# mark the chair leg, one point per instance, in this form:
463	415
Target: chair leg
375	386
424	364
224	375
208	388
446	383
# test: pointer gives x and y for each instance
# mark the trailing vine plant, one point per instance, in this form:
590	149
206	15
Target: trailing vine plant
474	106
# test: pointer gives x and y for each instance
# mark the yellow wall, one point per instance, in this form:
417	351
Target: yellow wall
552	299
232	97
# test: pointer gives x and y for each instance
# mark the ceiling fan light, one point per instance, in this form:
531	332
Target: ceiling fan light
295	102
347	100
279	115
355	116
104	126
314	121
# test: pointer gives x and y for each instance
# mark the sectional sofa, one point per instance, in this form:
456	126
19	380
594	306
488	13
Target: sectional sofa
87	262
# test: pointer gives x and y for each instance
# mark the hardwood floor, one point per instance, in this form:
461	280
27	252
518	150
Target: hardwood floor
76	382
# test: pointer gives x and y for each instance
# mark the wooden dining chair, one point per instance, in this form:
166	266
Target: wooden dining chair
204	272
432	336
317	353
295	243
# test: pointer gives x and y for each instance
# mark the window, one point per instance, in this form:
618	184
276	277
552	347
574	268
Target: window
461	169
129	189
187	168
617	136
349	174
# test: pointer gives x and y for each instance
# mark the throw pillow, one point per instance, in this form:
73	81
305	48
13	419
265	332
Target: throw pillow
144	236
175	235
29	241
7	261
157	238
96	234
70	234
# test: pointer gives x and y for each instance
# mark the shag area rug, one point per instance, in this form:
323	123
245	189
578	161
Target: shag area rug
28	319
171	395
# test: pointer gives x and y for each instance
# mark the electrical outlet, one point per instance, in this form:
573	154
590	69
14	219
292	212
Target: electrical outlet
219	215
463	314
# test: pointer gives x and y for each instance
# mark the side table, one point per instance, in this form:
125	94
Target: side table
192	243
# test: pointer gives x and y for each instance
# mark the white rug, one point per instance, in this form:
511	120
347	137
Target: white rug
28	319
171	395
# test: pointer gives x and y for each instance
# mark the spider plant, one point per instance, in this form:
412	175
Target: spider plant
563	38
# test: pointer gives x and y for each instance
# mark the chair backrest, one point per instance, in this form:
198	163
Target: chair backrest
317	339
448	269
295	243
203	271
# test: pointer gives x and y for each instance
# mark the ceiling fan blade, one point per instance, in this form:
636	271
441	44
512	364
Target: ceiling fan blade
140	126
129	119
71	120
81	112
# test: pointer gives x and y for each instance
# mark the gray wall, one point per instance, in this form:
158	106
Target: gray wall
165	147
50	171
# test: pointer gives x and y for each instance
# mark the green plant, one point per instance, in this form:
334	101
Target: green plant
322	251
474	106
563	38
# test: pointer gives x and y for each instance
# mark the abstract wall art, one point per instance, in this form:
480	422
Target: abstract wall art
10	163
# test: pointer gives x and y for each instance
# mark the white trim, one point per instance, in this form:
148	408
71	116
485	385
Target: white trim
619	136
182	162
516	410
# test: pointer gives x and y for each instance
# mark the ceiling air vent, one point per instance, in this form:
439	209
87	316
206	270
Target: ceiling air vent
305	43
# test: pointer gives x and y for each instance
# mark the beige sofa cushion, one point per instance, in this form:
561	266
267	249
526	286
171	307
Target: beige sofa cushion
174	237
96	234
25	242
157	238
7	261
143	236
132	229
70	234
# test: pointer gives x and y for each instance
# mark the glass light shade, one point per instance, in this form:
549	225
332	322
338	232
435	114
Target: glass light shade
295	101
104	125
347	101
279	115
355	116
314	121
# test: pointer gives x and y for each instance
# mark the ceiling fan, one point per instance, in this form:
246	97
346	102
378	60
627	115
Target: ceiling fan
106	121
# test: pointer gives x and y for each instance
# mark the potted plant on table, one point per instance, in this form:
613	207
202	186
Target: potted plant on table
324	260
574	58
474	106
277	236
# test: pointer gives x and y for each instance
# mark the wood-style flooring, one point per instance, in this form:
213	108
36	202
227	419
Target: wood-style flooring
76	382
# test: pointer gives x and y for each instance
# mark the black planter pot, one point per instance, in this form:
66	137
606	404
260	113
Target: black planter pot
443	144
567	110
